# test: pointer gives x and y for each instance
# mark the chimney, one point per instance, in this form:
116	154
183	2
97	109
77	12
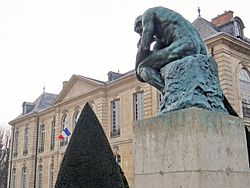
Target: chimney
223	18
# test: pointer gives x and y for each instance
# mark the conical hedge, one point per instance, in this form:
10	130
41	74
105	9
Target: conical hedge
89	161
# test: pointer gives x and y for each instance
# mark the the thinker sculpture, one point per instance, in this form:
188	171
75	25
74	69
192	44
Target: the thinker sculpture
173	58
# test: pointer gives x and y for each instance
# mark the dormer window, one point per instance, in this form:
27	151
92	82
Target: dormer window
114	75
27	107
238	27
238	32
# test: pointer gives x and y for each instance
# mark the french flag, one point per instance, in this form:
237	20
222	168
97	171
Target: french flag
65	133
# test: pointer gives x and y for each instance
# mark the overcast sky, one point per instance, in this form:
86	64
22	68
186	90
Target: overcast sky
43	43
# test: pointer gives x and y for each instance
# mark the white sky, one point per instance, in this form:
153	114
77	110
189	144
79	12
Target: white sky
43	43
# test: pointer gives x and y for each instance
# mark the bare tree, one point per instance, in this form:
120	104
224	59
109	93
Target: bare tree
4	155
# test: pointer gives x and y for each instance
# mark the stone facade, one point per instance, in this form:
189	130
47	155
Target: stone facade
37	153
73	96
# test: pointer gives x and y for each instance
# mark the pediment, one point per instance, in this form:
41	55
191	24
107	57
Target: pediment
77	85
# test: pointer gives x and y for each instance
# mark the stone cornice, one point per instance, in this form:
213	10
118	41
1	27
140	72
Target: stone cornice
232	42
24	118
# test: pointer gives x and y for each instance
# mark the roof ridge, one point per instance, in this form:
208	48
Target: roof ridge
88	78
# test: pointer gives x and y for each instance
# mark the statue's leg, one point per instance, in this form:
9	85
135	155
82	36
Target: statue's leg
176	50
149	68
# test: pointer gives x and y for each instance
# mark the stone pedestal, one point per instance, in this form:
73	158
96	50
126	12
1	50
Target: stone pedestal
191	148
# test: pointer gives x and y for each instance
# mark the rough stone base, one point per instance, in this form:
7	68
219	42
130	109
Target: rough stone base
191	148
192	82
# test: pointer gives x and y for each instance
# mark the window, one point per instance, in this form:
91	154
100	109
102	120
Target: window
76	117
116	154
244	75
24	178
53	134
26	141
246	108
118	158
51	173
15	150
138	101
51	176
41	138
237	30
245	91
115	118
64	124
159	101
40	176
13	182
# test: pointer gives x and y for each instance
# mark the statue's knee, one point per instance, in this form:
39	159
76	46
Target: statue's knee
142	72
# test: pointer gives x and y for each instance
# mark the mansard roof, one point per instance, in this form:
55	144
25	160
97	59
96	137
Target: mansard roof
228	26
205	28
43	102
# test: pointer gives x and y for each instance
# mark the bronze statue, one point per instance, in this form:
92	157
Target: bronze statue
173	58
174	39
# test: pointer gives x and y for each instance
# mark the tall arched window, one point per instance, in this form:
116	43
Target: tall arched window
13	182
76	117
65	123
25	141
40	177
53	133
51	173
138	105
41	138
245	91
115	118
24	177
16	134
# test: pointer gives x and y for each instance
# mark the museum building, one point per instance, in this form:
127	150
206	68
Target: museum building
36	151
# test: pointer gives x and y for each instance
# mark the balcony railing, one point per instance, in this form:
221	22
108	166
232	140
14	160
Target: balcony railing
115	133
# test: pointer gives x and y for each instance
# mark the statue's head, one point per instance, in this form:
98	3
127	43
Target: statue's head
138	25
